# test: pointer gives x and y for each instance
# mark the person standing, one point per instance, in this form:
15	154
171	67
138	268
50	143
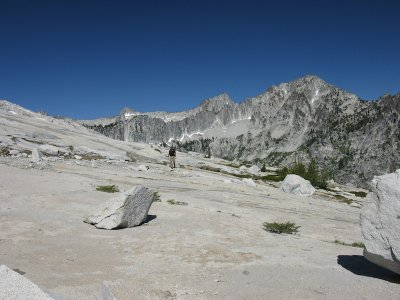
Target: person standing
172	157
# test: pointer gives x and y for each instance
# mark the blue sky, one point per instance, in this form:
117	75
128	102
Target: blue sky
88	59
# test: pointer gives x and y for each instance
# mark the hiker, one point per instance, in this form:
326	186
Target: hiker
172	156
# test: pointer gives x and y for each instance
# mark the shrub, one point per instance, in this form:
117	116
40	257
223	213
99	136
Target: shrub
156	197
90	156
107	188
360	194
263	169
279	228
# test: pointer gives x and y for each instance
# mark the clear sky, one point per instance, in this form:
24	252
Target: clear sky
87	59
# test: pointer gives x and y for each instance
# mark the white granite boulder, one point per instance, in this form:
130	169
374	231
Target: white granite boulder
127	210
14	152
255	170
249	181
294	184
49	149
16	286
380	222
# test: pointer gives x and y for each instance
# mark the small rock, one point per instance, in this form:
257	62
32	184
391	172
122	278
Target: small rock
249	181
49	149
255	170
14	152
355	204
142	168
243	168
78	157
36	155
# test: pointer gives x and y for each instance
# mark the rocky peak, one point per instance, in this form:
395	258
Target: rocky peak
127	113
216	103
390	103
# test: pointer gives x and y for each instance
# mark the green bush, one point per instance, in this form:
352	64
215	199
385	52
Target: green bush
156	197
360	194
279	228
107	188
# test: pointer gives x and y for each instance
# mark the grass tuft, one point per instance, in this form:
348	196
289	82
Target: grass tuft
107	188
342	199
354	244
209	168
174	202
279	228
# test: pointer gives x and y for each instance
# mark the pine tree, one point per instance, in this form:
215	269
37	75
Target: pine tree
312	173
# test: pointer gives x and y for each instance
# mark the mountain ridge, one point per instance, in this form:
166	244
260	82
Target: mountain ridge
305	119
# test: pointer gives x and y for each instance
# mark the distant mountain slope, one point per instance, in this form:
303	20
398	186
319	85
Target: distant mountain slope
300	120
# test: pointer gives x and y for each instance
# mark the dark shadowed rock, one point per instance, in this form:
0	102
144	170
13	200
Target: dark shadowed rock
128	210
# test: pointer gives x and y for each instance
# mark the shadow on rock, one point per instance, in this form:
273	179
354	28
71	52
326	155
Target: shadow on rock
149	219
358	265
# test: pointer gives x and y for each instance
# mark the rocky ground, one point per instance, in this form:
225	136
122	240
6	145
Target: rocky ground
210	244
213	247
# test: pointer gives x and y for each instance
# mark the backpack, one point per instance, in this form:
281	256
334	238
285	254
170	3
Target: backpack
172	152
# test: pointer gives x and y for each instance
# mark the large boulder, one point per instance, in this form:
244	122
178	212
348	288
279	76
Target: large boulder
16	286
380	222
128	210
297	185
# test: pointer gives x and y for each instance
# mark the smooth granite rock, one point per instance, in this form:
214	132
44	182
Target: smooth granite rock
16	286
294	184
128	210
380	222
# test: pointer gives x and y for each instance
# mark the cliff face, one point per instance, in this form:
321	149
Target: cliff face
303	119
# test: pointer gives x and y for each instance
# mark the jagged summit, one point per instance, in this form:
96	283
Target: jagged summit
216	103
127	113
126	110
